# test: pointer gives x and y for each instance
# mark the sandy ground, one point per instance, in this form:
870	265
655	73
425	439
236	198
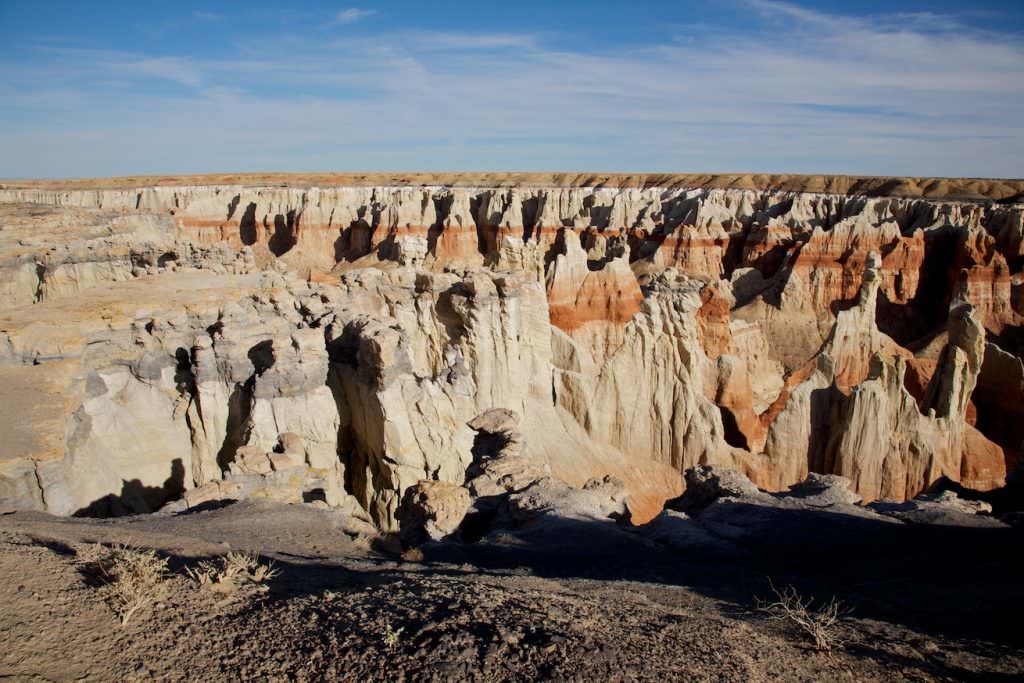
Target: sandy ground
875	186
578	604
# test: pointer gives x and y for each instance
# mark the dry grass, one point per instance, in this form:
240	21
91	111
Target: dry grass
132	578
90	556
392	635
232	572
821	625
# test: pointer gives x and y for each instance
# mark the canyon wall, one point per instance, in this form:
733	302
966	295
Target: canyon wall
189	343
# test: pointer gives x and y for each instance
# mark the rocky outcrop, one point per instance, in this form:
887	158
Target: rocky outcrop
350	344
592	305
724	515
548	499
160	381
431	510
500	461
945	508
706	484
855	337
1000	413
889	449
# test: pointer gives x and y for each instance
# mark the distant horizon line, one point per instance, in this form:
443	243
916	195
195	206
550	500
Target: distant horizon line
951	188
583	172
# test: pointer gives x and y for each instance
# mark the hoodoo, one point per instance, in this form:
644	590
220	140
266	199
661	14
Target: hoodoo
338	341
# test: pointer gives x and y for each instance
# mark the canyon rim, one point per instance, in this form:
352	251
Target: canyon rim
339	340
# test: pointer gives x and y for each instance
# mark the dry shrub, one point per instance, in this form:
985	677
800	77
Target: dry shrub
132	578
820	624
90	556
233	572
392	636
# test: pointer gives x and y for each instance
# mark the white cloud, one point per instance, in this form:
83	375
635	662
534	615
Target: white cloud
446	40
876	94
351	16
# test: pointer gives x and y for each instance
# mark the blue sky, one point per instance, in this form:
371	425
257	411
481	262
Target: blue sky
870	87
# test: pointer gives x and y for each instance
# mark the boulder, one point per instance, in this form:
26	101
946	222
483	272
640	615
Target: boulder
943	508
552	500
824	490
431	510
706	484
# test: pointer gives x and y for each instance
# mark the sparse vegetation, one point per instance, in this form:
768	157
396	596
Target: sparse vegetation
820	624
90	556
132	578
232	572
392	635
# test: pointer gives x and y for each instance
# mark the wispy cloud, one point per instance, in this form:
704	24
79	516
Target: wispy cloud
893	22
438	41
351	16
798	90
176	69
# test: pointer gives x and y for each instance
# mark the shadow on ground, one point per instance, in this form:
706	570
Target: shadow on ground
560	587
961	582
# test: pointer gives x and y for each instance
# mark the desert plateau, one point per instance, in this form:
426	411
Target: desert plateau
528	341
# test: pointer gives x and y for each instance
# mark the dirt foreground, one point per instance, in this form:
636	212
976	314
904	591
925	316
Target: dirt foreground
339	609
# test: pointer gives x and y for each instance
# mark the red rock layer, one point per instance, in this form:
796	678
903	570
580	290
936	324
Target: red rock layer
578	295
597	298
697	251
983	277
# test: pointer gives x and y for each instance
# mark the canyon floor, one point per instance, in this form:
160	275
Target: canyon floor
575	601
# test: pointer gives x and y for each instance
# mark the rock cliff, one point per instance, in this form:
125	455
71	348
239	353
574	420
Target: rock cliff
345	343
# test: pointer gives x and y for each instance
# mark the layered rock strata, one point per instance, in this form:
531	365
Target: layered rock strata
170	340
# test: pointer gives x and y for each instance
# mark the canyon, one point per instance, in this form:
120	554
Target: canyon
353	341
